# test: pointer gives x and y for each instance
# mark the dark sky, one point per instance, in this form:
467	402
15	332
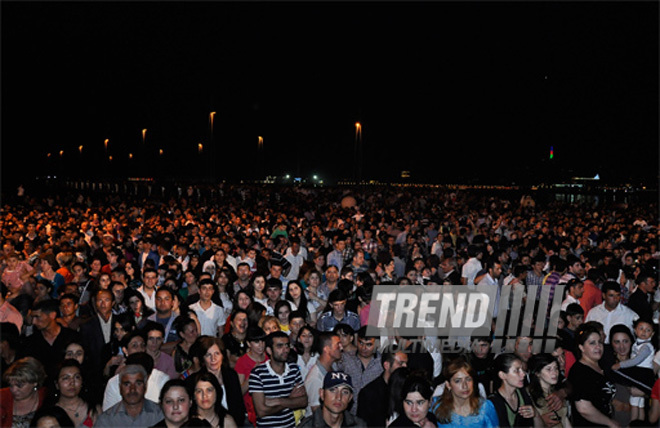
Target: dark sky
472	92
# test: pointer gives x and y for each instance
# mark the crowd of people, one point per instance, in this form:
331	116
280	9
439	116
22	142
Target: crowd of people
252	310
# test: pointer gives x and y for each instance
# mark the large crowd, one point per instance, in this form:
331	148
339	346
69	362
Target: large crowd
251	309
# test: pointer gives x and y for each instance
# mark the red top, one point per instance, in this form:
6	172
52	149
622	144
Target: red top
7	405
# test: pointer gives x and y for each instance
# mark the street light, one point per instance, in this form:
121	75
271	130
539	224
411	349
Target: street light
130	156
61	153
80	149
144	135
200	148
160	152
211	117
105	144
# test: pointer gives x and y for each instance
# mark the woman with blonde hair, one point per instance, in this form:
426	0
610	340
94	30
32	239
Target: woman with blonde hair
25	394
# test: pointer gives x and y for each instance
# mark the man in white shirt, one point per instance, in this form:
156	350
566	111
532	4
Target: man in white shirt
211	316
472	266
295	257
148	288
611	311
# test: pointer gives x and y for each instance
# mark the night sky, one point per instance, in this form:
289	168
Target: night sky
453	92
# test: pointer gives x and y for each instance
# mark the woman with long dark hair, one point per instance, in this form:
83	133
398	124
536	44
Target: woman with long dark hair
207	401
72	396
544	377
415	402
211	354
511	401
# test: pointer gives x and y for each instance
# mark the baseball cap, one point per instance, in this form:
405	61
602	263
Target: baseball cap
337	378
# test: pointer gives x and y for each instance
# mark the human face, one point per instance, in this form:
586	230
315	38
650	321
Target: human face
480	348
41	320
104	281
621	344
276	271
154	340
42	290
136	345
274	293
243	301
314	279
644	330
150	279
206	292
574	321
118	291
220	257
176	405
104	303
259	283
45	266
76	352
119	331
515	377
280	350
336	348
611	299
190	333
415	407
271	326
257	347
205	395
283	315
461	384
578	290
21	390
332	274
400	360
366	347
307	339
524	348
136	304
132	388
295	290
549	375
296	324
338	308
336	399
592	349
213	359
69	382
243	273
67	307
239	323
164	302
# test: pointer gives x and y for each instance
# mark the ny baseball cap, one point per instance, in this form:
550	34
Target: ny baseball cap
336	378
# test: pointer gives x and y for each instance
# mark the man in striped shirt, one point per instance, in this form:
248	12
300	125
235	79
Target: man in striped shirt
277	387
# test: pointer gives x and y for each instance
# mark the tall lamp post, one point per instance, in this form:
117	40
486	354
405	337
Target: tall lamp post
212	145
358	152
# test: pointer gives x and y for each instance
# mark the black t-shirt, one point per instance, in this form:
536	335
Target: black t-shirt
591	386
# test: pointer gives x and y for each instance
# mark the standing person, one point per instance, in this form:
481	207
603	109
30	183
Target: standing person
211	316
48	264
68	312
148	288
472	266
364	366
276	386
611	311
25	394
338	313
330	349
374	396
336	395
460	404
164	362
175	403
49	342
71	396
137	306
255	355
592	392
186	328
165	316
210	351
544	377
306	350
207	401
512	403
234	341
133	410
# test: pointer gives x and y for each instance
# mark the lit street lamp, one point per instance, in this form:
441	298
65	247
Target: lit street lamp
144	135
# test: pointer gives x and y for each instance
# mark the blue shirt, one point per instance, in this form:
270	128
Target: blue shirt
327	321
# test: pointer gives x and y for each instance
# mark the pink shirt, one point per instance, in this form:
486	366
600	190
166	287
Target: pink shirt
8	313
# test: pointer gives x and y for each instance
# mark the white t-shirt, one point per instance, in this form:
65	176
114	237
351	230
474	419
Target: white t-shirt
209	319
